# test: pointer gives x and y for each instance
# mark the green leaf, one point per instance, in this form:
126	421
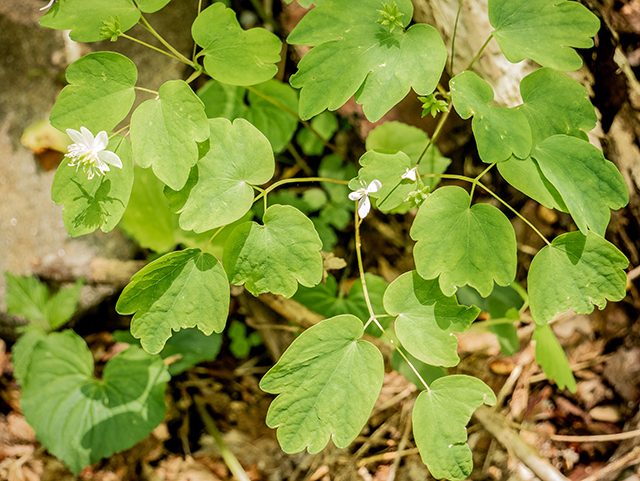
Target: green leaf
334	167
277	256
241	344
164	132
328	382
500	132
183	289
325	124
388	169
192	345
590	185
551	358
21	353
554	103
150	6
232	55
81	419
356	55
392	137
463	244
85	19
427	318
239	157
62	305
327	301
27	297
439	419
546	31
99	202
575	271
100	93
306	3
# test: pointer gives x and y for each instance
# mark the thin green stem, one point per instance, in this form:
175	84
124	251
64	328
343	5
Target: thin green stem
182	58
142	89
477	179
194	76
294	181
300	162
372	316
116	133
195	45
453	40
484	45
133	39
436	132
213	237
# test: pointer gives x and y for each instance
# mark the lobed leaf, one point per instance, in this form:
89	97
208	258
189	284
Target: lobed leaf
328	382
575	271
99	202
463	244
81	419
551	358
354	54
277	256
427	318
27	297
180	290
500	132
546	31
439	419
100	93
233	55
239	157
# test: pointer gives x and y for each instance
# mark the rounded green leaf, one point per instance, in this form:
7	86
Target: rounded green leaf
463	244
99	202
440	416
165	132
589	184
85	18
232	55
427	318
546	31
100	93
150	6
551	358
575	271
180	290
82	419
500	132
328	383
276	256
239	156
355	55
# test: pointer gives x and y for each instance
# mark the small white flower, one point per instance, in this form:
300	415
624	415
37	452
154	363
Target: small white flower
47	6
362	196
410	174
89	152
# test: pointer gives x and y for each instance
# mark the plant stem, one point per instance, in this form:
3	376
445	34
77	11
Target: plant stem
477	179
213	237
116	133
133	39
195	45
436	132
182	58
299	160
479	52
142	89
453	40
194	76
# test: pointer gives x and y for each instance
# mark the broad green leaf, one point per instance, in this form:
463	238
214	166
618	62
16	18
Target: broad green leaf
82	419
232	55
21	353
440	416
356	55
99	95
326	300
551	358
239	157
277	125
398	137
500	132
27	297
85	19
427	318
589	184
192	345
276	256
164	132
150	6
325	124
328	382
546	31
62	305
575	271
180	290
554	103
463	244
388	169
99	202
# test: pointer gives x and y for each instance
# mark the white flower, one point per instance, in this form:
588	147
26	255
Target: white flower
410	174
47	6
89	152
362	196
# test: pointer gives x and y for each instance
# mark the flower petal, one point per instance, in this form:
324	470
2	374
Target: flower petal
87	136
75	136
101	141
374	186
356	195
110	158
364	206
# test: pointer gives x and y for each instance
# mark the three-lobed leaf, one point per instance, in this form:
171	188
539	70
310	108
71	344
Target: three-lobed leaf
82	419
180	290
575	271
463	244
328	381
439	419
551	358
276	256
354	54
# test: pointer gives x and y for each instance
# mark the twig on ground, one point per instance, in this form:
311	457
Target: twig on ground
615	467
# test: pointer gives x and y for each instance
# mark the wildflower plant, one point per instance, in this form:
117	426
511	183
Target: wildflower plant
211	166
